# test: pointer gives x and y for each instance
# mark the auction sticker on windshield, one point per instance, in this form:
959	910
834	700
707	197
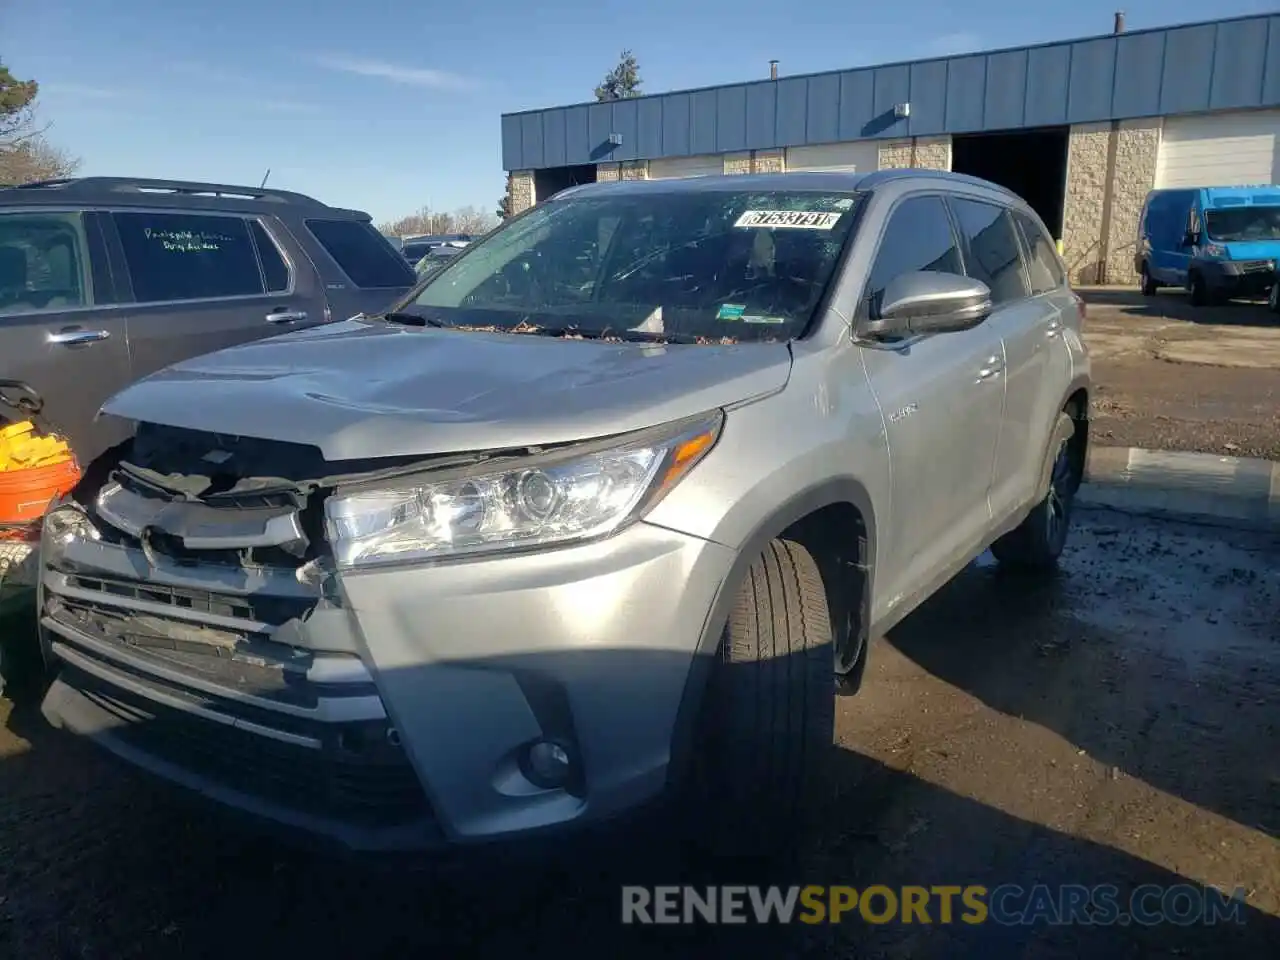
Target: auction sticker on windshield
788	219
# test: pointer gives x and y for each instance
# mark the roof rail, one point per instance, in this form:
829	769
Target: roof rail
77	186
877	177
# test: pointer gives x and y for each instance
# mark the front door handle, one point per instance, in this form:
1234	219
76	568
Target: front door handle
991	369
73	336
286	316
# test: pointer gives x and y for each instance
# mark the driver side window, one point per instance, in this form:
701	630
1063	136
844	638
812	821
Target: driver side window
918	237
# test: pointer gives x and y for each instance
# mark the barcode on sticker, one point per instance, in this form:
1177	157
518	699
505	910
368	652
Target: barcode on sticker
788	219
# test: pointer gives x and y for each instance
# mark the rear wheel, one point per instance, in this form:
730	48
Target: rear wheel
768	719
1149	286
1273	298
1038	541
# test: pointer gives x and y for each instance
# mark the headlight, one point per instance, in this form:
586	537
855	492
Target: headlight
546	501
68	523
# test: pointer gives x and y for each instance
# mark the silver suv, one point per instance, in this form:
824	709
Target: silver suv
604	511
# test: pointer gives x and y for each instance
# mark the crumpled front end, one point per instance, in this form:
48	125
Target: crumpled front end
202	631
197	639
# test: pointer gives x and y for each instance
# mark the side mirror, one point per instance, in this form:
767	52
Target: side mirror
925	302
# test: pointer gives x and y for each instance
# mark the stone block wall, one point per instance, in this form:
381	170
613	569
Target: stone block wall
1087	146
923	153
895	154
634	170
769	161
521	191
1137	149
1109	172
933	153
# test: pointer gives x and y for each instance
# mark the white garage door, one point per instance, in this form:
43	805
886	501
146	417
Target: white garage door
678	167
1220	149
862	156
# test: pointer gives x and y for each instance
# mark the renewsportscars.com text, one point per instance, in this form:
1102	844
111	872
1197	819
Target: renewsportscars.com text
1009	904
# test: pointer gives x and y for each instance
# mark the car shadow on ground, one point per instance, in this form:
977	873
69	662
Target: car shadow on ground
1154	649
1173	304
100	862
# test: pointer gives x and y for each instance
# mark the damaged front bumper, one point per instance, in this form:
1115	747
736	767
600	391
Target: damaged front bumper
386	710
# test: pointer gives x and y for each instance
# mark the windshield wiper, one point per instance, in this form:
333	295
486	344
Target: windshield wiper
626	336
408	319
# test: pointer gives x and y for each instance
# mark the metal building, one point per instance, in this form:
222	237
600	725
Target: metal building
1081	128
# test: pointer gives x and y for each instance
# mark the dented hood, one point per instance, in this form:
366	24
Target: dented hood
358	390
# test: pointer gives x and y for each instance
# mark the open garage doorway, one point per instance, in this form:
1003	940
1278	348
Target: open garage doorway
547	183
1031	163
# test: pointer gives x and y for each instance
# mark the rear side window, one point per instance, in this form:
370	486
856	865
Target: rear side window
274	270
991	248
363	254
918	237
42	262
183	256
1042	261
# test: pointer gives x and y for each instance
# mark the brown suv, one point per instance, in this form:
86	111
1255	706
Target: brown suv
105	280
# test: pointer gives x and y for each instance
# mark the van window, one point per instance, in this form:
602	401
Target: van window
991	248
1043	267
42	261
362	253
184	256
1242	223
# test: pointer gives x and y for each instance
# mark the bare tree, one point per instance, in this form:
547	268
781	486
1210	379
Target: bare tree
25	154
470	220
35	158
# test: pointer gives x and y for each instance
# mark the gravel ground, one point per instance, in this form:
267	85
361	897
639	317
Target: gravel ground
1116	724
1170	376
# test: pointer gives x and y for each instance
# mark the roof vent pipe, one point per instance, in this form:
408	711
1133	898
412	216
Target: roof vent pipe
773	69
1119	21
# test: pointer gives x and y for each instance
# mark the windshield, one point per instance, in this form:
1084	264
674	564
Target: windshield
685	264
1243	223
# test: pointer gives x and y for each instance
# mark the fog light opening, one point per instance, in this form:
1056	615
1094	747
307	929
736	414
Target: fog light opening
549	765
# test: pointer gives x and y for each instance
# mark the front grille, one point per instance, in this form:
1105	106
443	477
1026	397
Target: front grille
259	668
357	776
262	609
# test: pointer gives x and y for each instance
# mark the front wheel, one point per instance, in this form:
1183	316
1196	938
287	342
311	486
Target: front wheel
768	719
1273	298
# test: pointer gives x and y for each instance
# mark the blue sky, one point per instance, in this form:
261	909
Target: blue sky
387	105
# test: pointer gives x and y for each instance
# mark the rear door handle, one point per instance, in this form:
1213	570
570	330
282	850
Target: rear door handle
286	316
72	337
991	369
